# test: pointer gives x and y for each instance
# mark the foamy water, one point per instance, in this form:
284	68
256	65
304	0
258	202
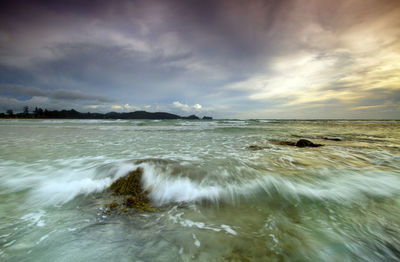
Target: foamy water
217	199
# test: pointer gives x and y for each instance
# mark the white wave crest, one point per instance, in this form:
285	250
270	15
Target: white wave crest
343	187
165	188
51	185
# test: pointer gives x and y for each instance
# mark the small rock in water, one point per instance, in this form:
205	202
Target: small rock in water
333	138
283	143
255	147
299	143
306	143
287	143
114	205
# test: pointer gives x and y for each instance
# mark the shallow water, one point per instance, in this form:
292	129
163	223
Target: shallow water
217	200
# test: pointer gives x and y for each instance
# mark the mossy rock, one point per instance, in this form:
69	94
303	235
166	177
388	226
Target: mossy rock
299	143
306	143
131	186
139	204
286	143
114	205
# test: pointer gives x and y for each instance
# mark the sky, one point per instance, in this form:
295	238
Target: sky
301	59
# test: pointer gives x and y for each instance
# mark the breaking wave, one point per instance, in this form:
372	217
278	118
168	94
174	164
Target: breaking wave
169	181
343	186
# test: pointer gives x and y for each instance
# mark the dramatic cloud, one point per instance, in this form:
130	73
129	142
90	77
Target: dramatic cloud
55	94
231	58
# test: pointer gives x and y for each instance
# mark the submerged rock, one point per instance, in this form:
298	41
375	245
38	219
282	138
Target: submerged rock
255	147
306	143
286	143
114	205
131	187
333	138
299	143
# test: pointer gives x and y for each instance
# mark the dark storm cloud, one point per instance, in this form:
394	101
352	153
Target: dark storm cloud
187	49
239	55
232	34
111	68
54	94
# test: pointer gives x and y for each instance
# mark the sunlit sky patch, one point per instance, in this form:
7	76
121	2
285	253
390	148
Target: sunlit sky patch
228	59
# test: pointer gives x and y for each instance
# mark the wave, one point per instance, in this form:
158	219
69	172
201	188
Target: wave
173	182
342	186
165	187
61	181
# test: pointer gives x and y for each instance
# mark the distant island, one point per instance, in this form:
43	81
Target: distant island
39	113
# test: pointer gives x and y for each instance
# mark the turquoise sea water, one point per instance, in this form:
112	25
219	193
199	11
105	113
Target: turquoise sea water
217	199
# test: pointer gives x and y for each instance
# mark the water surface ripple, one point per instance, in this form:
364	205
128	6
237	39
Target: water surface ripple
218	199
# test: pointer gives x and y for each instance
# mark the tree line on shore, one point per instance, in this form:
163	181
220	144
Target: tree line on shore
73	114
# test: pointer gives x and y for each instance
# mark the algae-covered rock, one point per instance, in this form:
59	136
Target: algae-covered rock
131	187
287	143
299	143
306	143
114	205
130	184
133	202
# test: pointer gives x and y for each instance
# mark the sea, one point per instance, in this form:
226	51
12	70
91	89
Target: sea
222	190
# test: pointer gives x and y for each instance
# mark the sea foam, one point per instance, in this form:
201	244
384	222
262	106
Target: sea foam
51	185
342	186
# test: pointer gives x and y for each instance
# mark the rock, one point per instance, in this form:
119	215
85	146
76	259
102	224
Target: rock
132	202
207	118
131	186
255	147
114	205
283	143
333	138
306	143
299	143
286	143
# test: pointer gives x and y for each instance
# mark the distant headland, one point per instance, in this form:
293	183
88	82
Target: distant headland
39	113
